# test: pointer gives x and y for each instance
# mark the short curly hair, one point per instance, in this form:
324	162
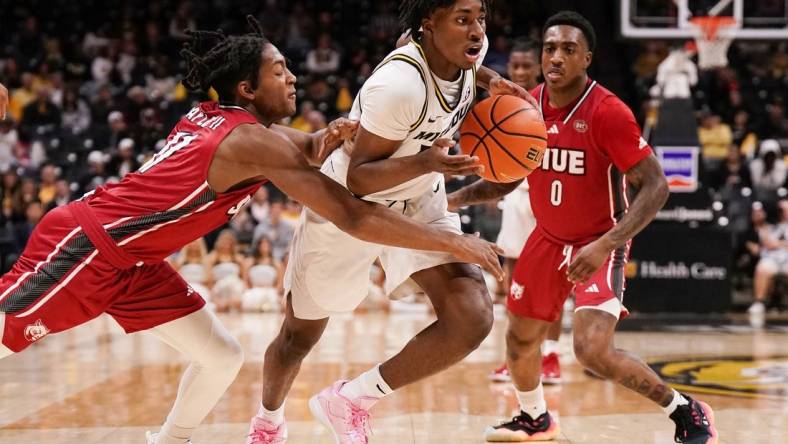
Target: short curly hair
412	12
575	20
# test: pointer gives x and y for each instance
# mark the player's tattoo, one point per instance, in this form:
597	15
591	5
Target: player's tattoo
647	177
656	393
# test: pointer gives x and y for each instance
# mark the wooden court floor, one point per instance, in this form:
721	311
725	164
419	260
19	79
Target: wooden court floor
94	384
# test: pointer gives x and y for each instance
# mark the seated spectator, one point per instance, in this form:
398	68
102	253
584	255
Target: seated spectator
22	230
75	116
744	138
259	206
10	188
768	171
62	195
292	212
191	264
309	119
731	174
23	157
263	273
149	131
40	115
125	161
299	122
117	131
322	95
26	194
344	96
8	140
748	251
243	226
276	229
46	188
776	125
21	97
226	268
715	137
324	59
773	261
160	84
96	173
137	101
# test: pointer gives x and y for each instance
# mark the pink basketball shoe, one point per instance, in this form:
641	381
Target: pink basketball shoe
262	431
347	419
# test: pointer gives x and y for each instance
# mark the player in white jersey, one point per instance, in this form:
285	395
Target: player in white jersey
408	108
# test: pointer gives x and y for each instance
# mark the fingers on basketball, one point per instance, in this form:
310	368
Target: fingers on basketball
508	136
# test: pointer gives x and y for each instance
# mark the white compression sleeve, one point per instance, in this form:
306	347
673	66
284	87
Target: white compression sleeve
215	359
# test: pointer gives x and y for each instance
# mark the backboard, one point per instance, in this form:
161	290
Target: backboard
671	19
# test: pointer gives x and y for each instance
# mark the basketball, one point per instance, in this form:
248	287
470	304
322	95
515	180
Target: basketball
507	134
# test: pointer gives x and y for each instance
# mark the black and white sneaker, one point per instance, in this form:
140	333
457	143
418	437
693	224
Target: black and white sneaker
694	423
523	428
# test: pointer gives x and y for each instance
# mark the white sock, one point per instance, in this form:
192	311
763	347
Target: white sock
549	346
171	434
678	400
273	416
369	384
532	402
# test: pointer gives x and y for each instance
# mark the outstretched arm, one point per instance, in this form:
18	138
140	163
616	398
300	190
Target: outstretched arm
479	192
318	145
253	151
647	177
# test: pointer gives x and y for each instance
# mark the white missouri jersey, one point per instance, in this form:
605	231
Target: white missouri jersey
404	100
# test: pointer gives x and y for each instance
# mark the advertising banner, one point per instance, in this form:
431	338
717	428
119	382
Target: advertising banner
674	268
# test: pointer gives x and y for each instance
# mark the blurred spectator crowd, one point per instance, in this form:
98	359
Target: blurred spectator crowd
95	88
742	130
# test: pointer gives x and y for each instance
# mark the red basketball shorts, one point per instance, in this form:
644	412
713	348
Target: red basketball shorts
61	280
540	287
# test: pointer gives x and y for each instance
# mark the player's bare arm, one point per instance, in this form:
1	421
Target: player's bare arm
372	170
318	145
479	192
647	177
253	151
3	101
496	85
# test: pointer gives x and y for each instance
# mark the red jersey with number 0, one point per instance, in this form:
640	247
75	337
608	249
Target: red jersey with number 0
579	192
168	203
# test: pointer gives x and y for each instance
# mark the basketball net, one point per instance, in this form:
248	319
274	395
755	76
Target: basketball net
712	45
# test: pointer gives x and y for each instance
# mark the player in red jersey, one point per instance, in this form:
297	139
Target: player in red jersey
517	218
105	253
583	231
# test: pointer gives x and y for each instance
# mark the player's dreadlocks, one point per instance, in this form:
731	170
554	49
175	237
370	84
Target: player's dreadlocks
412	12
219	61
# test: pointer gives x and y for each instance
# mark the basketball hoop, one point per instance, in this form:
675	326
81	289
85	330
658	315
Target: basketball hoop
712	44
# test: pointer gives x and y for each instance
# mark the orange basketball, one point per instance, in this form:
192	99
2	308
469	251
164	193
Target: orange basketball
508	136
